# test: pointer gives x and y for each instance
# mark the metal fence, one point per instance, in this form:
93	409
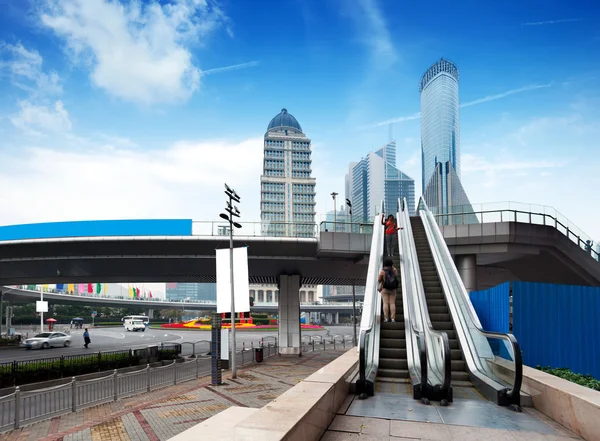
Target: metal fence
14	373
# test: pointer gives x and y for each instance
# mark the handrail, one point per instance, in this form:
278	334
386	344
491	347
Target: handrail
436	372
581	243
475	346
368	342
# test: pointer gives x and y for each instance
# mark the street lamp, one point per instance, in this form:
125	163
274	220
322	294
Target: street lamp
233	212
333	195
354	337
349	204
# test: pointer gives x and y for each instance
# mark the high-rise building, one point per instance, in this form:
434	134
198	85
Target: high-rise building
287	187
440	140
191	292
376	178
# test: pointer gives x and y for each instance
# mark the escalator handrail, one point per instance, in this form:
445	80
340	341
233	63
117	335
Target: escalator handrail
428	330
472	315
371	314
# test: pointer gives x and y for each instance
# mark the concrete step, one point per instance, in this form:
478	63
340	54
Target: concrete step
393	364
392	373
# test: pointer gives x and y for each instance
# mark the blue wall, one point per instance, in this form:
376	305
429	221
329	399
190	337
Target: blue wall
152	227
558	325
493	309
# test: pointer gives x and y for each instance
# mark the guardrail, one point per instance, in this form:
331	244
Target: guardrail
518	212
279	229
15	373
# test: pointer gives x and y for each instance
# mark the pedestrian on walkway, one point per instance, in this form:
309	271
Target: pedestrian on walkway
86	338
387	284
391	228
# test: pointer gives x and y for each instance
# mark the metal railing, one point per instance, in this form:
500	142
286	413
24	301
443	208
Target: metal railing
26	407
278	229
522	213
368	342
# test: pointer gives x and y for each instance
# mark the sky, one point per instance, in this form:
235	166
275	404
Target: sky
137	109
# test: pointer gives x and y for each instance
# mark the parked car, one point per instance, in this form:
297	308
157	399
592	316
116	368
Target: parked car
47	340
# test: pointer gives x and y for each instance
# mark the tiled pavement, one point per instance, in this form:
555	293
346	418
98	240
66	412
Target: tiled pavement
162	414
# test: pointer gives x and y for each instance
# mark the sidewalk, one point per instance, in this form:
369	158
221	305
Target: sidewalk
164	413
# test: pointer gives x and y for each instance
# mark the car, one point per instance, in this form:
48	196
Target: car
134	325
47	340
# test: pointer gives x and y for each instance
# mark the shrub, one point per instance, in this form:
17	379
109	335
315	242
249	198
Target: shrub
568	374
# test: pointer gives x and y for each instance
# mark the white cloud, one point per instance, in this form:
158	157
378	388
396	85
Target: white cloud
504	94
548	22
376	32
230	68
136	51
25	68
112	182
32	118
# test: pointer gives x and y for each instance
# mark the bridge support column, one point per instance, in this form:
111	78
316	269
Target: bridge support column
467	268
337	318
290	341
151	313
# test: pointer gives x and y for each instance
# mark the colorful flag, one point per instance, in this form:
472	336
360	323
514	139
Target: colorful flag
90	289
71	288
81	289
137	292
131	293
60	286
98	288
105	289
150	294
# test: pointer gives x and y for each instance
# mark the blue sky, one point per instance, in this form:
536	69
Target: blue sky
142	109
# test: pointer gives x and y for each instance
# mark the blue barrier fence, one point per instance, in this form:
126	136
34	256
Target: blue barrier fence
101	228
493	309
555	325
558	325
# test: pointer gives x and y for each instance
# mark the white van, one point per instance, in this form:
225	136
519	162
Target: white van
134	325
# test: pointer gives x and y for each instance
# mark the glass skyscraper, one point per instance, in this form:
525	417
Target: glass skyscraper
376	178
287	203
440	140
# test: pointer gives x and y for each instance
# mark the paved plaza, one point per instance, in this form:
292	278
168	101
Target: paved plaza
164	413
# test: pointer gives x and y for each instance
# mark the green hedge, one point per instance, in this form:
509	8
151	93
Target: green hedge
568	374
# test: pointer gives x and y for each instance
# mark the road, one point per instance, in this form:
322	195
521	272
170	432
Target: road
114	339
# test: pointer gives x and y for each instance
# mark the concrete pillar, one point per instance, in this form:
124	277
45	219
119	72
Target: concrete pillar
150	313
290	341
337	318
467	268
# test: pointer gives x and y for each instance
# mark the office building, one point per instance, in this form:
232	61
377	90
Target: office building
440	141
376	178
287	187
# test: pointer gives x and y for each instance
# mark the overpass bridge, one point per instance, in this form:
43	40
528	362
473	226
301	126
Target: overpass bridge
21	295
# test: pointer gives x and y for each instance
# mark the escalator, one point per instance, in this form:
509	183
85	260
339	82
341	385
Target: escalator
475	353
393	362
437	306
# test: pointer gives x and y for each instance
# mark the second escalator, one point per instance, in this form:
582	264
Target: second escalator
437	306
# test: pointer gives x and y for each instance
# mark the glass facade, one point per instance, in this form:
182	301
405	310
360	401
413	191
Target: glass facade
287	188
440	137
191	291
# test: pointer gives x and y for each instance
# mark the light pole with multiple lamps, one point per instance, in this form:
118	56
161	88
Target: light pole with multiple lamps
334	195
233	212
354	339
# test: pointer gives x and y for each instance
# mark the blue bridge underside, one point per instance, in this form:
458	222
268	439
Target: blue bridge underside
143	227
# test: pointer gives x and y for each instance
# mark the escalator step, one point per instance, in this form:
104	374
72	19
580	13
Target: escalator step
453	342
440	317
459	376
451	334
456	354
392	343
458	365
442	326
437	309
393	363
435	301
395	353
392	333
394	326
392	373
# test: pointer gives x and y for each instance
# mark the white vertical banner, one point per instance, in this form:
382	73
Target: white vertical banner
241	283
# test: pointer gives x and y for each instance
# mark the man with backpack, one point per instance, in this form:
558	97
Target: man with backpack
387	284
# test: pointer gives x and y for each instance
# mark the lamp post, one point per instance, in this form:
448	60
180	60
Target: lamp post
233	212
349	204
334	195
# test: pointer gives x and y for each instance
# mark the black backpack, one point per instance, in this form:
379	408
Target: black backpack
390	281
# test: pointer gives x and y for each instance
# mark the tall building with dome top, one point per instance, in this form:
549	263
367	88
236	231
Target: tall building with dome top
287	199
